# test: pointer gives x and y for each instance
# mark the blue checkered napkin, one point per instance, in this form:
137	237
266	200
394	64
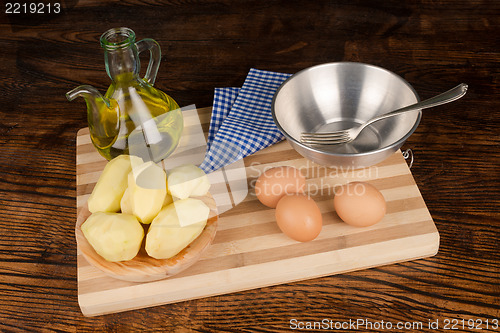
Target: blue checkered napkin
223	101
249	126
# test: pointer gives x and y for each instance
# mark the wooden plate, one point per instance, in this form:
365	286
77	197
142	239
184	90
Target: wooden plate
144	268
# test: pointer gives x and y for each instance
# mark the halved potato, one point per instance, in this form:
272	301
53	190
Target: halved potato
187	180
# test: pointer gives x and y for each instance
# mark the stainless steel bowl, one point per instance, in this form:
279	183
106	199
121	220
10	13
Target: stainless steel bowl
336	96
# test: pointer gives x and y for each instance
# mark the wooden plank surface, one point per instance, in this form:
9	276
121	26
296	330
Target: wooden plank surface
249	251
207	44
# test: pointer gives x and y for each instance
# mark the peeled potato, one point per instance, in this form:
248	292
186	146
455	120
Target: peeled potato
111	185
191	211
125	204
146	193
166	237
168	200
187	180
114	236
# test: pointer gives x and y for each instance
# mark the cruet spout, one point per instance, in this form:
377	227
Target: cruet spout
86	91
103	115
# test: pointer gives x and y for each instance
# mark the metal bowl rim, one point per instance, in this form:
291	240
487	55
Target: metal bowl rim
381	149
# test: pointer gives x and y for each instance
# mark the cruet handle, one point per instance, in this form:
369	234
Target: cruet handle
154	59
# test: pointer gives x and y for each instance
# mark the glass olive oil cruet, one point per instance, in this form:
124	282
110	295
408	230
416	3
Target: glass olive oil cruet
132	117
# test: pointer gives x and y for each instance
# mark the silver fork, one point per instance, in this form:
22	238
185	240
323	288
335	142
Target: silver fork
348	135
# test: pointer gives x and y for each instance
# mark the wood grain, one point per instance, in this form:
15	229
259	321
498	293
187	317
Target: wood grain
249	251
213	43
143	268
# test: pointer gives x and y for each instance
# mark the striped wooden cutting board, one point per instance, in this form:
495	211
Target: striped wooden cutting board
249	251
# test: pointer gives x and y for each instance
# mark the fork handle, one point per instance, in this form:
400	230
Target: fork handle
446	97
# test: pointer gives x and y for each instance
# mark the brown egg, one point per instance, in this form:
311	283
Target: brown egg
277	182
299	217
359	204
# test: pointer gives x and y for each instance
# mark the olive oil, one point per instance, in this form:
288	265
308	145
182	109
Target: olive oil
149	125
132	117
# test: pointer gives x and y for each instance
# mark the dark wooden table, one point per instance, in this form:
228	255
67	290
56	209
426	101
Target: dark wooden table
432	44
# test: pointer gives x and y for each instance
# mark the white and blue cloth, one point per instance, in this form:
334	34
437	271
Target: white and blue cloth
223	101
241	122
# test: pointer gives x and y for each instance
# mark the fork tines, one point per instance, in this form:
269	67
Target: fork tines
325	138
